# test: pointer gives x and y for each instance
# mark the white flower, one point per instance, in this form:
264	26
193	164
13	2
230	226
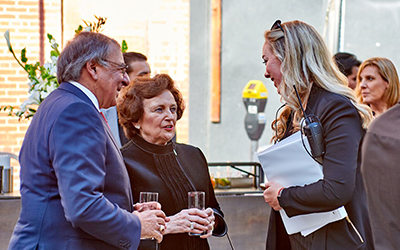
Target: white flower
31	83
54	59
44	94
34	98
40	84
42	79
52	86
47	66
53	71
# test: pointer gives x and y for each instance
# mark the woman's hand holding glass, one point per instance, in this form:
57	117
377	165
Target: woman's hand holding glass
193	221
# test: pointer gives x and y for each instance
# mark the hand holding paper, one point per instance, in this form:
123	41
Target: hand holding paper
288	164
271	194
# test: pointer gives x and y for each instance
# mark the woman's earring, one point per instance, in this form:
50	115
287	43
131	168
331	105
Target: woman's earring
137	127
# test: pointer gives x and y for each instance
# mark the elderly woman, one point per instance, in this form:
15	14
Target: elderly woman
295	56
148	110
378	84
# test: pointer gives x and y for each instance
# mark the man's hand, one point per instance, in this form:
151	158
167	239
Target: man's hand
152	205
153	224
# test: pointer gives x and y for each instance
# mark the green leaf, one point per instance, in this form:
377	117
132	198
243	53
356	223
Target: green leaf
9	108
49	36
124	46
23	56
79	29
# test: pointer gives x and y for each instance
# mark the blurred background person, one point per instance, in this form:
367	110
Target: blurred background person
378	84
137	66
348	65
148	110
296	55
381	173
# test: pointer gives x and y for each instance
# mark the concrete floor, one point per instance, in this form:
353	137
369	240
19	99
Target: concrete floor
247	218
9	213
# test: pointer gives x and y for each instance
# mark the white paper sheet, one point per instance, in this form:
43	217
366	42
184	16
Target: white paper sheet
288	163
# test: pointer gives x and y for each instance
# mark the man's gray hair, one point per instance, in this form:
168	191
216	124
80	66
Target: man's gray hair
84	47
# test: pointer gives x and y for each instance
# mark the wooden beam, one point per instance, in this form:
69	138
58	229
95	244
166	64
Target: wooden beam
42	36
216	61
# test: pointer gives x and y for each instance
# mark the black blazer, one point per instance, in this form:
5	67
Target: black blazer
342	183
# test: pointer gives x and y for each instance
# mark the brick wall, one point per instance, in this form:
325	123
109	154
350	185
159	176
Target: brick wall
156	28
21	18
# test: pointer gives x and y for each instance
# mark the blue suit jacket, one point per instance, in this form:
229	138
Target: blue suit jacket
75	189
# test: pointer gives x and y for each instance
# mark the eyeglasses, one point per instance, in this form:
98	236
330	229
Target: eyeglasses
121	67
276	25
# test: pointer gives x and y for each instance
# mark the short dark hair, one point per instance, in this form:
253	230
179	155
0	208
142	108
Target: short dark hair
130	103
346	62
83	48
130	57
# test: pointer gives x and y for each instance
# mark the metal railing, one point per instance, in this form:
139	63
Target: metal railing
257	174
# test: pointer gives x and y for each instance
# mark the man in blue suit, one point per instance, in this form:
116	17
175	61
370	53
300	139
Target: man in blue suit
75	189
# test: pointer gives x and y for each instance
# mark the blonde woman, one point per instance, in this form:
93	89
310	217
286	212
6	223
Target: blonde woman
378	84
295	55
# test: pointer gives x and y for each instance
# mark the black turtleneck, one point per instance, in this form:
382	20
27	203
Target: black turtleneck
172	170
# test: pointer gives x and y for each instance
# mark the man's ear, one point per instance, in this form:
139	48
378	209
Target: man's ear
91	69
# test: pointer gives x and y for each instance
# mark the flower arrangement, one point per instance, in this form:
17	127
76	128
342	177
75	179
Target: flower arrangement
43	78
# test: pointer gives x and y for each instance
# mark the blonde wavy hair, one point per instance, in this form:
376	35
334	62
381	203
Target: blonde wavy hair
388	72
305	60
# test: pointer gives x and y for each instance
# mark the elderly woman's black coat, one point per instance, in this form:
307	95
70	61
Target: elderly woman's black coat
172	170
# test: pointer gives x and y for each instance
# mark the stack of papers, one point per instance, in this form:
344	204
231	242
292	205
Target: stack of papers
289	164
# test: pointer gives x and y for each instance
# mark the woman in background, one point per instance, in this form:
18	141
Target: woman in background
295	55
148	110
378	84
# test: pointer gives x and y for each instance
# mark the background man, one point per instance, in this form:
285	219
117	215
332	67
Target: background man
137	66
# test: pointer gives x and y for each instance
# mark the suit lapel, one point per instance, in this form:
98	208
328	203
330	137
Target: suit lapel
111	137
109	134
